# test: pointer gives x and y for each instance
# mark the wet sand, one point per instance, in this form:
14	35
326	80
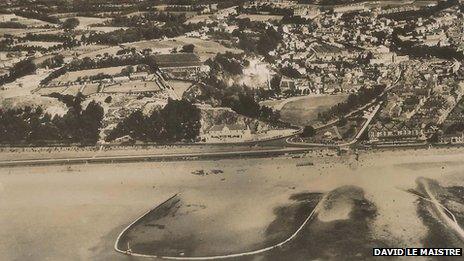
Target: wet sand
61	213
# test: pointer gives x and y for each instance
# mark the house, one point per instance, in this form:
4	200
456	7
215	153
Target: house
287	84
120	79
8	18
227	133
306	11
185	66
457	138
124	139
394	132
139	76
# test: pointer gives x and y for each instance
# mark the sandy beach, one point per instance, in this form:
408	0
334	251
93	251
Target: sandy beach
76	212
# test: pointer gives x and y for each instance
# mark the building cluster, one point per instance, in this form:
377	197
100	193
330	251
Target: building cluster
324	50
416	109
444	29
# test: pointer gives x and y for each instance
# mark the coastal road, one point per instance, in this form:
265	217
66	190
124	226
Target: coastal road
154	157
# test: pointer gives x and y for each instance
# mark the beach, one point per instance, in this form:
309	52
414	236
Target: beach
77	212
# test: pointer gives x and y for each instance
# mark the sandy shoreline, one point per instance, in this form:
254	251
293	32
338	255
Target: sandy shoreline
56	213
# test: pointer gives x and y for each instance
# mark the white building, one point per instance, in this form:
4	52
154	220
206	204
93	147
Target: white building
225	133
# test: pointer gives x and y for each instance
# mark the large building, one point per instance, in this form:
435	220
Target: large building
184	66
457	138
394	132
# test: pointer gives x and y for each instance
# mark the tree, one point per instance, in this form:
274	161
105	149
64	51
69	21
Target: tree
36	127
182	120
177	121
275	83
290	72
70	23
268	41
127	70
308	132
247	43
188	48
91	122
53	62
342	121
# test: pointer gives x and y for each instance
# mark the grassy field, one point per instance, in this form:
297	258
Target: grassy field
73	76
106	29
396	3
133	86
84	21
87	23
179	86
47	91
72	90
204	48
29	22
100	51
49	105
21	32
40	44
304	111
90	89
261	18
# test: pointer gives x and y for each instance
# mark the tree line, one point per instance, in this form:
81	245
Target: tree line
108	61
12	25
178	121
146	19
240	98
20	69
33	14
134	34
424	12
354	101
34	126
422	51
262	42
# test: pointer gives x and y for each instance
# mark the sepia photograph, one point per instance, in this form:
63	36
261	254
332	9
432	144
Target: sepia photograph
250	130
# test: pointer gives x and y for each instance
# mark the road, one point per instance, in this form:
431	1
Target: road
263	148
362	130
364	127
153	157
362	108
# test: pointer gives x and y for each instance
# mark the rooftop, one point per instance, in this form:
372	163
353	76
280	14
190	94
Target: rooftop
177	60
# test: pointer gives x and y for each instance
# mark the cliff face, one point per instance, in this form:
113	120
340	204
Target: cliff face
200	93
215	116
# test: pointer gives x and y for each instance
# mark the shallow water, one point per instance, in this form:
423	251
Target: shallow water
50	213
